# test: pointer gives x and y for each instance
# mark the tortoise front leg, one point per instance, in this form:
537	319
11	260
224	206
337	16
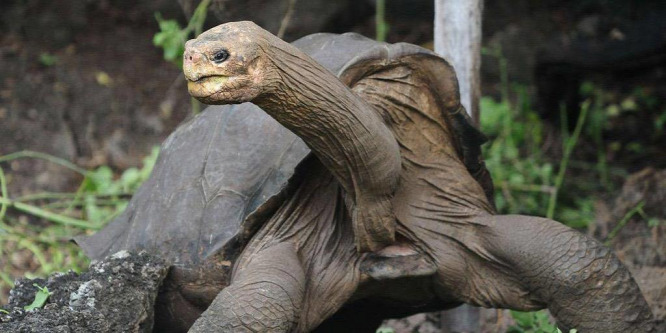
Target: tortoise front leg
532	263
265	295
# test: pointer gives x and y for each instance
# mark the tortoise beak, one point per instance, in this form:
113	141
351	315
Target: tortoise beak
193	63
206	86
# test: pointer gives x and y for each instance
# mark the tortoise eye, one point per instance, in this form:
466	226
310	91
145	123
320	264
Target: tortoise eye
220	56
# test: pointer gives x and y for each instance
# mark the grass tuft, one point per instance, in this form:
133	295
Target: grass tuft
36	229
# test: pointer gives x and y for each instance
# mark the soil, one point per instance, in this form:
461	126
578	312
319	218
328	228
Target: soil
107	98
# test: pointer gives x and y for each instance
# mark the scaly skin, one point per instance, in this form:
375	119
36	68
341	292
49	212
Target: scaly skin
529	263
568	272
265	296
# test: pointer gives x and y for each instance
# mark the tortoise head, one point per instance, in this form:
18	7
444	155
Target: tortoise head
227	64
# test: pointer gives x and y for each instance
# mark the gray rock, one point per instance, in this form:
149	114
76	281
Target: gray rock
117	294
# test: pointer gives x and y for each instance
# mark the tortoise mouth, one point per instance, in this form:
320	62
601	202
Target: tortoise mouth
208	85
222	89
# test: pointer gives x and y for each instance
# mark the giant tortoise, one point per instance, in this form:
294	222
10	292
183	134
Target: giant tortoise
349	190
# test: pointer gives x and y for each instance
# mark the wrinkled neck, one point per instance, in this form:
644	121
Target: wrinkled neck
313	103
304	91
343	131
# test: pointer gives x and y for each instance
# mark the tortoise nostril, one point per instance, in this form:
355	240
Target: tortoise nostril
190	57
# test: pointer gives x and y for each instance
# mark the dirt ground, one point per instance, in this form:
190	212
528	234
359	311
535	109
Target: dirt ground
107	98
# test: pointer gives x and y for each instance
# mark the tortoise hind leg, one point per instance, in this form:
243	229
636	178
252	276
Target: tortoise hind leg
536	262
265	295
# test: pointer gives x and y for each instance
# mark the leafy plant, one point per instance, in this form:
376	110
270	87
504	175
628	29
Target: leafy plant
522	178
102	197
172	37
41	296
569	144
526	181
59	216
532	322
384	329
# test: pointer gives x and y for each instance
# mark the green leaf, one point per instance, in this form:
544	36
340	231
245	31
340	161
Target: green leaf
523	319
385	330
653	222
660	121
629	104
99	180
40	298
587	88
4	311
130	179
93	212
612	110
47	59
532	322
171	38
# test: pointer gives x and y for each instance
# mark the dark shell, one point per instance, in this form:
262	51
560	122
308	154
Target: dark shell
222	173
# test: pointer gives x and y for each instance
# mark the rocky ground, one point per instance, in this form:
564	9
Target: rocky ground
114	295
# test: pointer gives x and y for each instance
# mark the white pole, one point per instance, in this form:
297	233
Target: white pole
458	38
